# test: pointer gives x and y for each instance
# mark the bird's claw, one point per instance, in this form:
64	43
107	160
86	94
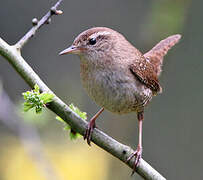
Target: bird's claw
138	155
88	133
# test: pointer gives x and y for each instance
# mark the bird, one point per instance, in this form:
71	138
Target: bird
117	76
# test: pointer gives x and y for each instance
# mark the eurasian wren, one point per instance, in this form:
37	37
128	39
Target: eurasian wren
117	76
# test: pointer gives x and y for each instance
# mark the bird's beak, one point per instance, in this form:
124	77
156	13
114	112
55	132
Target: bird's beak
71	50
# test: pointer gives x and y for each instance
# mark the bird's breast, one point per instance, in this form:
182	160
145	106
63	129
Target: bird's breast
116	91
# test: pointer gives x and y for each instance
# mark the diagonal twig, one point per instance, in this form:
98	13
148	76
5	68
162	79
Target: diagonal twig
37	24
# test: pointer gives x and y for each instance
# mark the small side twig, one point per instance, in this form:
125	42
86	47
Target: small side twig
37	24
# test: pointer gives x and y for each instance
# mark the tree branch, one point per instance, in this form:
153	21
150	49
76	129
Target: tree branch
122	152
37	24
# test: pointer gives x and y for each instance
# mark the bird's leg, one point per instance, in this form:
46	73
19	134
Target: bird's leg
91	126
138	152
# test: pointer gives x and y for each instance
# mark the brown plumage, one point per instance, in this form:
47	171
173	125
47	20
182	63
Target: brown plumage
157	53
147	75
117	76
148	70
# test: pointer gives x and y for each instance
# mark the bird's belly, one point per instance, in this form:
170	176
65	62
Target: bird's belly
116	92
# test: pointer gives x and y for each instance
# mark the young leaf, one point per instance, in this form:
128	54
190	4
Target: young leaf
73	135
60	119
33	99
28	106
36	88
83	115
46	97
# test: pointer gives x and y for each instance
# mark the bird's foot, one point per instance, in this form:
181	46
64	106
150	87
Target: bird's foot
138	155
88	132
91	126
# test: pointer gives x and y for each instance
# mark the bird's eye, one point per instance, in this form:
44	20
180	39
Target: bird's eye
92	41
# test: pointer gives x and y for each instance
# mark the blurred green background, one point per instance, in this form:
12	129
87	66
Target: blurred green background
36	147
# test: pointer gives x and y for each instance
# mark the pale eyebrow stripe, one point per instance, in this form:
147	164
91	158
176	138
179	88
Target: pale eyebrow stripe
99	33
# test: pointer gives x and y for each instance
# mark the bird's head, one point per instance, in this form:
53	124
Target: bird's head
94	44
